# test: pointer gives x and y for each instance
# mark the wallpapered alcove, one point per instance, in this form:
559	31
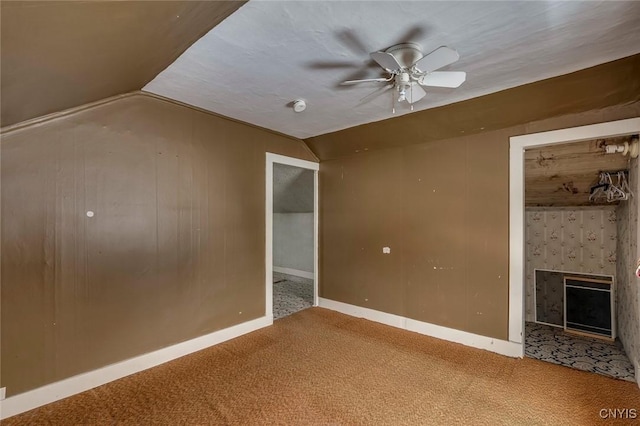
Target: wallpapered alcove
590	242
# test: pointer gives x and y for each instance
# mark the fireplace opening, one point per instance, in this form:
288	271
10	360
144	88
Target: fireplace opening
588	306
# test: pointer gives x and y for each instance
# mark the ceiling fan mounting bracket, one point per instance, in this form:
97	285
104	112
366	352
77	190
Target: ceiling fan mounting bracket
406	54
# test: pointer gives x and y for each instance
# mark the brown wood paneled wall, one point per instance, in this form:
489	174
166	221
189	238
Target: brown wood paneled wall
443	209
174	250
440	207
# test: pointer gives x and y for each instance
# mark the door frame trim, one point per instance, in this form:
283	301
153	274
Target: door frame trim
518	144
272	159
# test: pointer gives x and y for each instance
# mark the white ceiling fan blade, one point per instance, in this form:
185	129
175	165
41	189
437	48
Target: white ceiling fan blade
415	93
386	60
443	79
441	57
374	94
366	80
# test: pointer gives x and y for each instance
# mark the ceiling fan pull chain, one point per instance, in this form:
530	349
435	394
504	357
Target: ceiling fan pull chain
411	90
393	102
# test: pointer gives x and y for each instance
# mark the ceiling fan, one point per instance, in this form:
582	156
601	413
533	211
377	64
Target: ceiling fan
409	71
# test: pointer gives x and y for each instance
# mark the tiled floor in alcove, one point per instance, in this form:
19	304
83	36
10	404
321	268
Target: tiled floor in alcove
583	353
290	295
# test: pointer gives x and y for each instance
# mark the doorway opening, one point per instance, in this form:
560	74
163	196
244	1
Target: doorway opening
291	262
558	245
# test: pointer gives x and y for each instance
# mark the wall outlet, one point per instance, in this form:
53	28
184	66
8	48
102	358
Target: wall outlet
386	250
3	393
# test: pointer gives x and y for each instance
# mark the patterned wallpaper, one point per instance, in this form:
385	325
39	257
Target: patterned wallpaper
568	239
628	286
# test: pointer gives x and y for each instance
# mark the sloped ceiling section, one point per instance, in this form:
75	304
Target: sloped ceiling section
292	189
270	53
58	55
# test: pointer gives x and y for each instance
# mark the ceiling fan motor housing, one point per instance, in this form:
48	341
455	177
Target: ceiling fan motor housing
408	70
403	78
406	54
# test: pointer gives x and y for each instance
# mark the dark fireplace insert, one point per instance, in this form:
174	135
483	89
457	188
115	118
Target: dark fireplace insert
588	306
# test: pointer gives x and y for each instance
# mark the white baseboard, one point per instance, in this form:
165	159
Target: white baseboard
294	272
73	385
503	347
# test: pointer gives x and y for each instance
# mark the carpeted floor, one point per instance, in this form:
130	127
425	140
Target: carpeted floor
599	356
322	367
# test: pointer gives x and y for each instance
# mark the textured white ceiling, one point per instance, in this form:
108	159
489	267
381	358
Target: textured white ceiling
269	53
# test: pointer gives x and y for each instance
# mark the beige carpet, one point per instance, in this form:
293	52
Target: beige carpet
322	367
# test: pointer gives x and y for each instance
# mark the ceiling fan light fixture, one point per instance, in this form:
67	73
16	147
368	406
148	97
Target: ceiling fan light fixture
402	94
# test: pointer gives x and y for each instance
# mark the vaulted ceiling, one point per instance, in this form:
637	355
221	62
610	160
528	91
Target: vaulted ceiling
249	61
270	53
